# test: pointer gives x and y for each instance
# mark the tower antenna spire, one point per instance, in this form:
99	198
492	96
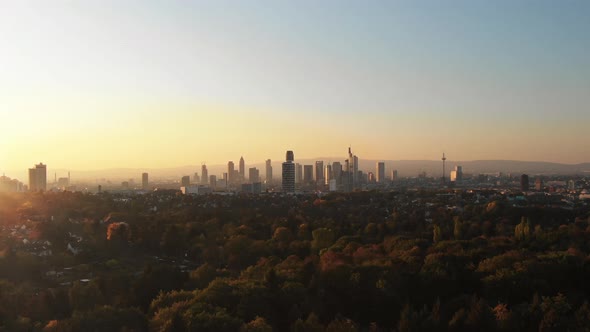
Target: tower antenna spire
443	164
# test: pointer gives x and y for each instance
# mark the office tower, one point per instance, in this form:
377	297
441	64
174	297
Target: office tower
394	176
253	175
144	181
185	181
539	184
380	171
268	171
298	173
319	172
242	170
371	178
288	174
213	182
328	174
524	182
204	174
225	179
457	174
38	178
307	174
352	169
196	178
337	172
230	172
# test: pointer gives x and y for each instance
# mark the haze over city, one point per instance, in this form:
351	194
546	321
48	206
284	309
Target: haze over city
94	85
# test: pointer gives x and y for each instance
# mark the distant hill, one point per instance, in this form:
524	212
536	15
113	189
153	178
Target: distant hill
404	167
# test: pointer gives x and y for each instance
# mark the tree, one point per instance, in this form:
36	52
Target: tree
257	325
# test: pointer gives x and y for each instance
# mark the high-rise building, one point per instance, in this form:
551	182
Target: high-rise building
213	182
457	174
337	172
230	172
144	181
524	182
185	181
352	169
253	175
307	174
38	178
319	172
539	184
268	171
371	177
204	174
196	178
394	176
242	170
328	174
380	171
298	173
288	174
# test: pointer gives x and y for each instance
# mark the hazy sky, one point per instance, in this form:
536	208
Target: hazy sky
100	84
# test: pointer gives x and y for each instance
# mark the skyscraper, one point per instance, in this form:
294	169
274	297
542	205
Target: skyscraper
539	183
319	172
268	171
380	171
328	174
253	175
524	182
144	181
212	182
38	178
230	172
288	175
298	173
337	172
307	174
394	176
185	181
204	174
457	174
242	170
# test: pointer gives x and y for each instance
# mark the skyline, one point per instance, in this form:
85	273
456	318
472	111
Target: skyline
100	85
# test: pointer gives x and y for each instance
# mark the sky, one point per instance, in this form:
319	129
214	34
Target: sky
120	83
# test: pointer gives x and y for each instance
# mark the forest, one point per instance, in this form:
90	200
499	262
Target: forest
423	260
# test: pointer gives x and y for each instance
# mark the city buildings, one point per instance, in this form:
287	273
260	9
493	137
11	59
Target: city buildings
253	175
230	172
268	171
457	174
307	174
328	174
298	173
204	174
38	178
185	181
144	181
337	172
242	170
319	172
380	171
524	182
288	174
213	182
